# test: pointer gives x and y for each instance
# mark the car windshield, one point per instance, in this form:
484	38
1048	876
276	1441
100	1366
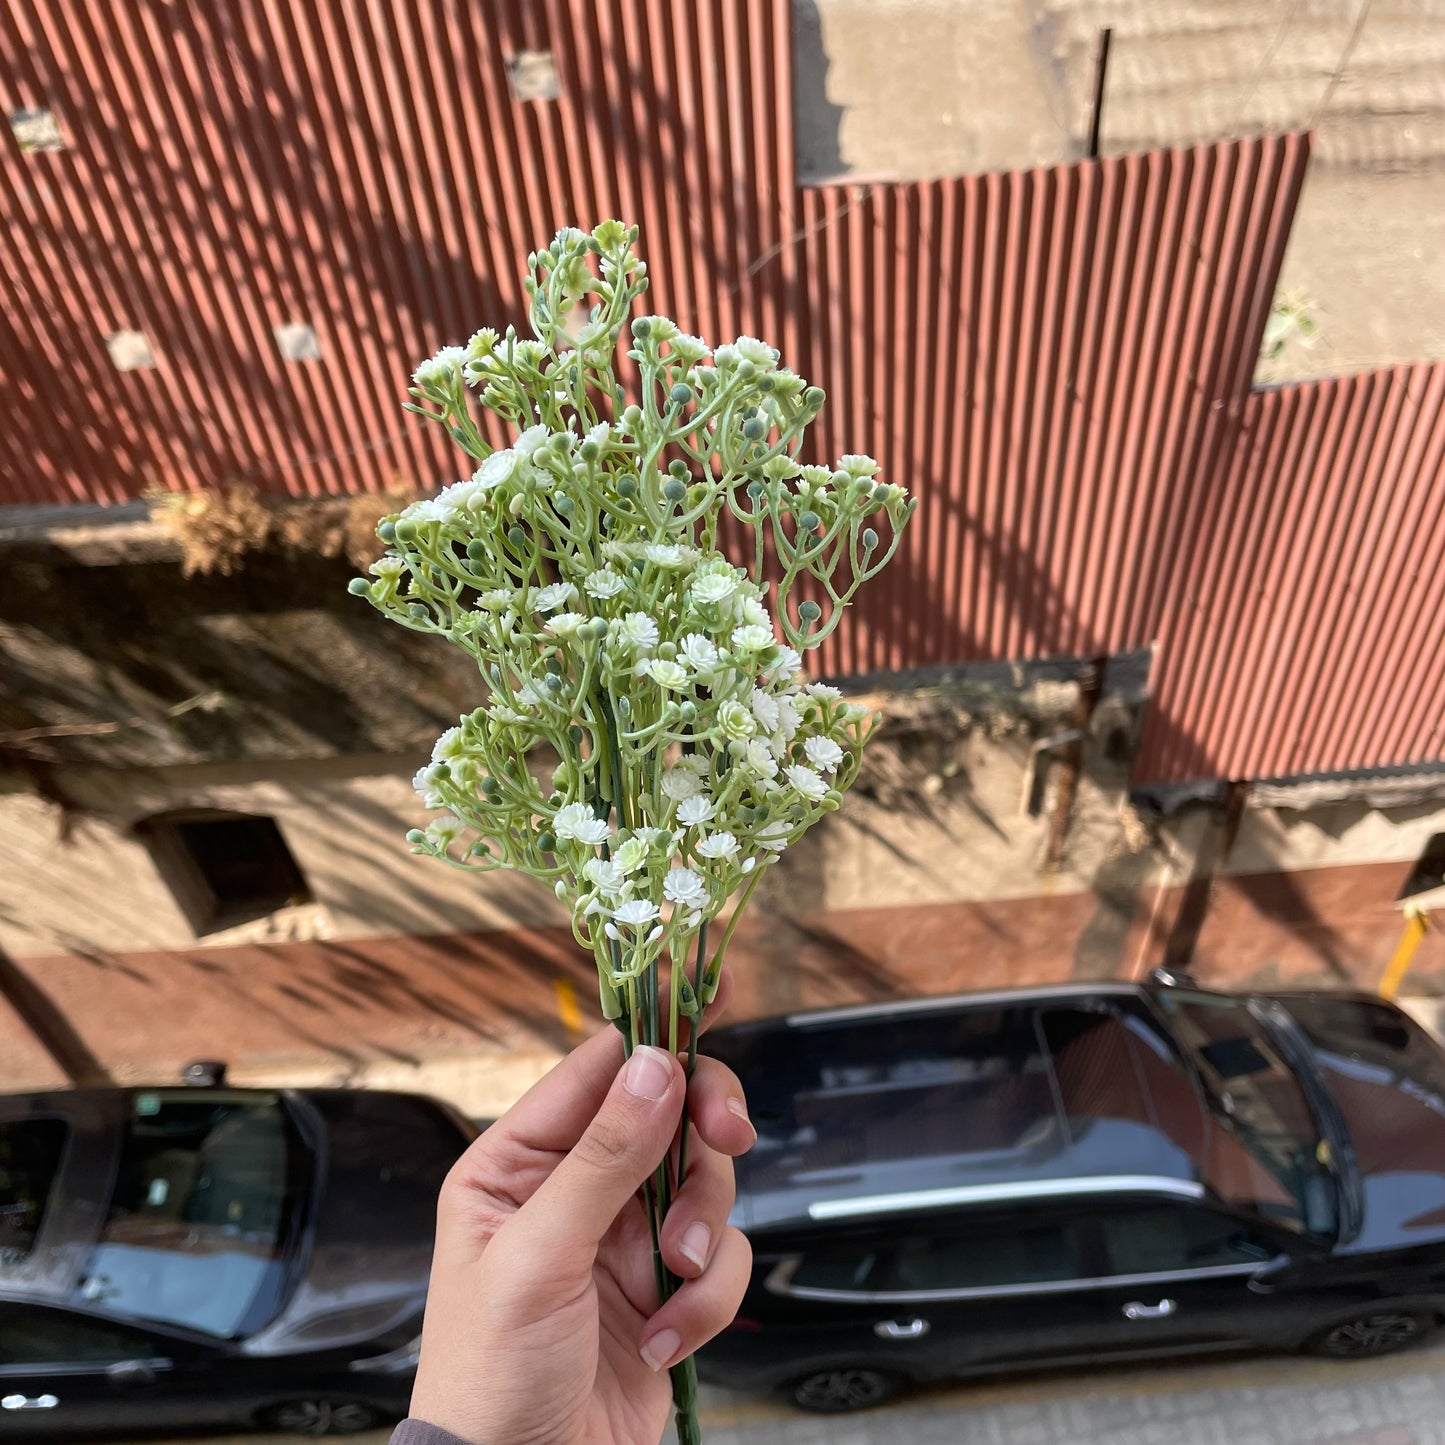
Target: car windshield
198	1221
1265	1150
30	1151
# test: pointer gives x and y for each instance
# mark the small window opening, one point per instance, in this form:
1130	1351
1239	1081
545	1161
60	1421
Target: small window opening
1428	872
224	868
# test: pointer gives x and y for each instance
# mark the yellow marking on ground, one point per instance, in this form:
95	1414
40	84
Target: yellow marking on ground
568	1011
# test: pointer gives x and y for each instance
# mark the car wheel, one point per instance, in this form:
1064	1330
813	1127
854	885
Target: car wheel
320	1417
831	1392
1372	1334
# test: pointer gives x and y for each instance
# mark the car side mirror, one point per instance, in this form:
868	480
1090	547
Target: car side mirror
126	1373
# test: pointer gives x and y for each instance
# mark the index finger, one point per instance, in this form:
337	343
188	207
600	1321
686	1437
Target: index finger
554	1113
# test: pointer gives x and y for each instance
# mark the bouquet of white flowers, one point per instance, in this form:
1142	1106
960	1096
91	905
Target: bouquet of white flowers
582	568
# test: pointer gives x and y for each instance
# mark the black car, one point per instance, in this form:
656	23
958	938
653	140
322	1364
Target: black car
186	1257
961	1186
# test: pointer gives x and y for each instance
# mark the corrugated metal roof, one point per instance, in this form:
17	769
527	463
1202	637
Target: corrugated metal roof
1057	361
1308	636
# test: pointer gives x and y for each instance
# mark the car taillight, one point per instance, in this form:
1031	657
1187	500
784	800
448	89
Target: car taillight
742	1322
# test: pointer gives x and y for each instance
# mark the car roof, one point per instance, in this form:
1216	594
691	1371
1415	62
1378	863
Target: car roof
978	1100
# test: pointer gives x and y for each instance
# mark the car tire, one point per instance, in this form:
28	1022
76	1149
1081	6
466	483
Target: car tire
316	1417
835	1392
1377	1332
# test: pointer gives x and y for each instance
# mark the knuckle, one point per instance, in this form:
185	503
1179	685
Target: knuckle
606	1144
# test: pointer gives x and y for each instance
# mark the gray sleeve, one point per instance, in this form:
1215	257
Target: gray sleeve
418	1432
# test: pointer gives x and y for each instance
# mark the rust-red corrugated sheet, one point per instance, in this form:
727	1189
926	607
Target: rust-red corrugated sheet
1308	636
1056	361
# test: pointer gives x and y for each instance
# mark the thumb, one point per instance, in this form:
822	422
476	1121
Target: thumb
626	1140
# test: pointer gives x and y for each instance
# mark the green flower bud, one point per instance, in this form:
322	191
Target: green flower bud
766	382
674	490
627	487
678	468
632	418
405	531
574	733
477	551
809	522
641	328
358	587
490	787
517	536
870	539
755	490
813	398
840	479
417	610
809	611
553	682
688	712
755	429
547	842
415	837
746	370
624	706
387	531
681	394
552	665
589	451
667	650
441	771
564	504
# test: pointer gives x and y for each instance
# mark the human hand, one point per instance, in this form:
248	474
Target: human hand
542	1320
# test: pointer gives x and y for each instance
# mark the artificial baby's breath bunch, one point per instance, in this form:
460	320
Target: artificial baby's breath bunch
582	568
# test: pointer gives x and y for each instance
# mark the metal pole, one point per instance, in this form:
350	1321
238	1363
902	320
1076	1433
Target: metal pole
1101	72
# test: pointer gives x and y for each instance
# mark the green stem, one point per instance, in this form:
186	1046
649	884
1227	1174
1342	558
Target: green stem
694	1024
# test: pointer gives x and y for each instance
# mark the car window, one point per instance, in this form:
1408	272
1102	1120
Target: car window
990	1255
30	1151
35	1335
1170	1238
852	1267
196	1226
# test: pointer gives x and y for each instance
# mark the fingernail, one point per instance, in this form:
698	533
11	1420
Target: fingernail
736	1106
648	1074
694	1242
657	1351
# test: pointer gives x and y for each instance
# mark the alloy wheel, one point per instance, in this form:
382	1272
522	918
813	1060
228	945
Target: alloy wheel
322	1417
1372	1335
834	1391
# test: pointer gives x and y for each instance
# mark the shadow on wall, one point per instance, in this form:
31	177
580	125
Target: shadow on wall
817	122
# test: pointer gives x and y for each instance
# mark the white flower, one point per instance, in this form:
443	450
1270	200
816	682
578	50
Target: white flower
564	624
713	588
699	653
442	370
786	667
652	837
823	753
553	596
666	673
498	599
736	721
388	568
604	875
788	718
531	440
598	434
690	349
765	709
427	510
752	638
717	845
680	783
758	758
443	832
637	630
425	784
693	763
684	887
635	913
773	836
449	746
822	691
666	554
749	348
751	611
806	781
497	469
604	583
857	465
694	810
578	822
631	855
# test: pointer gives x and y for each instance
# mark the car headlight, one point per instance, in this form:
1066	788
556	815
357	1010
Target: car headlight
400	1361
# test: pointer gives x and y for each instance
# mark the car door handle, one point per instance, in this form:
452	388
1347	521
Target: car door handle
1136	1310
29	1402
914	1329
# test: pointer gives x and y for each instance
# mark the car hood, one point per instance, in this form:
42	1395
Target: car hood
362	1265
1387	1076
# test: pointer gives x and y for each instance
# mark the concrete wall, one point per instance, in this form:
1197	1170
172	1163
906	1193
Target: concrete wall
914	88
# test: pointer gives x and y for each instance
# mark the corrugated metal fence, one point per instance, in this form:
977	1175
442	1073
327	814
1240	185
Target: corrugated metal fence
1057	361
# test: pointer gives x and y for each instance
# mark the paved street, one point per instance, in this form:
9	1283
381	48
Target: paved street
1277	1401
